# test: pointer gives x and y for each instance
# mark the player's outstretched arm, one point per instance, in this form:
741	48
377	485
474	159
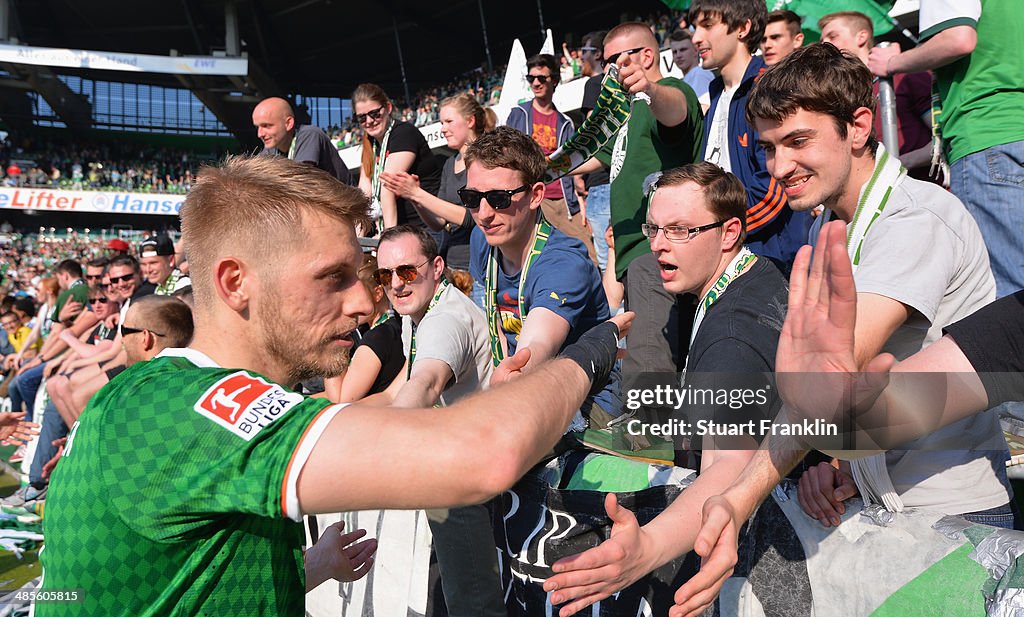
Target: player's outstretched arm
466	453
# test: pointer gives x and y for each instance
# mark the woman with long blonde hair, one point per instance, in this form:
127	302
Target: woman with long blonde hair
463	120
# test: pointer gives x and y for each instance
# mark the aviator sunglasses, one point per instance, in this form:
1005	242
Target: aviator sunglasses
405	272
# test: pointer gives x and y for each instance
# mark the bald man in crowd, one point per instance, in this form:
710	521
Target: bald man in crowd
282	135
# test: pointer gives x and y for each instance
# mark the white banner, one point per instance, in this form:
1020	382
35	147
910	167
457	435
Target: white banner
111	61
107	202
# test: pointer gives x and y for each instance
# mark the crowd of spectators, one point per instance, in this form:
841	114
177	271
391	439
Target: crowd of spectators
77	164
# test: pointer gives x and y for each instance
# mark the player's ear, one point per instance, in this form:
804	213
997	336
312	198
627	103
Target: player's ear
231	281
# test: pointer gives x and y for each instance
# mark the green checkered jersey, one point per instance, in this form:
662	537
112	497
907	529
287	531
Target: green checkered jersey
176	494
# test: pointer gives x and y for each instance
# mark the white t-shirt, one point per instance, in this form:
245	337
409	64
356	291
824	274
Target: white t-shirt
455	332
926	251
717	151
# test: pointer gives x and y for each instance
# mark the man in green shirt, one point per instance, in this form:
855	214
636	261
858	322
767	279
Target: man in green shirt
177	482
974	48
663	131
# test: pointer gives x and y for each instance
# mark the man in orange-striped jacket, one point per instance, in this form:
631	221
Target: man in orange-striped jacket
727	33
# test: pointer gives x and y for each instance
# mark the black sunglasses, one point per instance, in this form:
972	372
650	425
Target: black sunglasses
614	59
499	199
543	79
125	330
121	279
93	276
100	300
373	114
405	272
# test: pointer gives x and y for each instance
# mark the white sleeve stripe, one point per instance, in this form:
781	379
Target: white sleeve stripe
290	501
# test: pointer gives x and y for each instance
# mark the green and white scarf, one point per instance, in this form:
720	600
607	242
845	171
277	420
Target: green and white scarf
610	114
871	473
380	153
541	233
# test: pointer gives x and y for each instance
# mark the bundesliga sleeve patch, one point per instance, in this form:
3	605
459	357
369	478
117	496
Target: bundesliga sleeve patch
244	404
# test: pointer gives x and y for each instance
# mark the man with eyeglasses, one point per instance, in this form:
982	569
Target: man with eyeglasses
541	294
94	272
696	225
448	358
550	128
282	135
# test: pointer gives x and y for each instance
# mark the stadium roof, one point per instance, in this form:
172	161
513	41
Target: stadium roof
307	47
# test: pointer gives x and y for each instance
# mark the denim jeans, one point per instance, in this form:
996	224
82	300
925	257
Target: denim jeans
599	210
1005	516
23	389
468	560
53	428
991	185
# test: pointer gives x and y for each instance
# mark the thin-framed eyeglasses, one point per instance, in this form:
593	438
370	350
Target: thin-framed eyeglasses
677	233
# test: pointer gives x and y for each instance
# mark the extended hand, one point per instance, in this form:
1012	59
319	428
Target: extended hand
400	183
718	546
617	563
337	555
632	77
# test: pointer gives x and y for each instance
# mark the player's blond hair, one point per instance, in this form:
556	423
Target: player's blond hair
252	207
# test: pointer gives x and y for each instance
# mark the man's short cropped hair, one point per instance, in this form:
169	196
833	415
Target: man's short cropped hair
508	148
426	241
680	35
99	262
124	260
636	29
856	20
791	19
26	306
166	315
545	61
70	267
724	193
817	78
734	13
247	205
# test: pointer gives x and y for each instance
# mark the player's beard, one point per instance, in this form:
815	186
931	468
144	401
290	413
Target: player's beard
302	359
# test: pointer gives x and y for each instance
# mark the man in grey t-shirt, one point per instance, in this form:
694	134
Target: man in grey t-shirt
281	135
448	357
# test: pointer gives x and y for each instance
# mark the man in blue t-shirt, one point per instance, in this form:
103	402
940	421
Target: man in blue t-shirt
541	289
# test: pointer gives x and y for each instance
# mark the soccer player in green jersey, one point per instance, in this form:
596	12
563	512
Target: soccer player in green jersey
183	481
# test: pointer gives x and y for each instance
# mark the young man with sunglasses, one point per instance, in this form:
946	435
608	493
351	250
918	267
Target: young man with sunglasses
448	357
663	131
282	135
550	128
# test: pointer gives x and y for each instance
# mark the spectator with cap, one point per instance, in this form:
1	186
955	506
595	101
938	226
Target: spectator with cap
282	135
157	260
118	246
